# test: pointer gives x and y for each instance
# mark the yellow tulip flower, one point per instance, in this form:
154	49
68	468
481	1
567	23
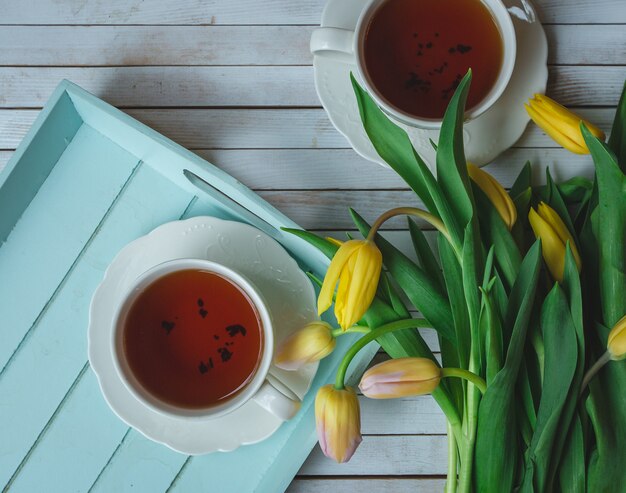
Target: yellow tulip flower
560	123
400	377
338	422
617	340
356	266
554	235
496	193
309	344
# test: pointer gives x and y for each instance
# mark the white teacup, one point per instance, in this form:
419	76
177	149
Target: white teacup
262	388
348	46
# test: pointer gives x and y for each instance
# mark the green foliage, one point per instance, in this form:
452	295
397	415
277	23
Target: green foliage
485	292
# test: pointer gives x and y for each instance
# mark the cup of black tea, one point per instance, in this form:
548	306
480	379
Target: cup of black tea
412	54
194	339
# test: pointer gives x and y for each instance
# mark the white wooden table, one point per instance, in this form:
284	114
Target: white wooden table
232	80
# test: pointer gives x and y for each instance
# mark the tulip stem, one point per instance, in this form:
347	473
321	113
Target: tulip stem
467	375
451	480
408	211
604	359
355	329
372	335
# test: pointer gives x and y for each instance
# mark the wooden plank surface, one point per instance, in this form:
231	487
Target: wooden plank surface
188	12
222	45
232	80
246	86
255	128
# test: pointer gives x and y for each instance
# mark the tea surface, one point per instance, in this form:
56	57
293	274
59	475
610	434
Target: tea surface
193	339
417	52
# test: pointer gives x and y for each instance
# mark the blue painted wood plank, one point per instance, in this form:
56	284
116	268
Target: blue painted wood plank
139	465
31	164
40	375
78	444
55	228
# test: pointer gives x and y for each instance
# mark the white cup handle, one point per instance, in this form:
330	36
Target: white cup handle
282	403
333	42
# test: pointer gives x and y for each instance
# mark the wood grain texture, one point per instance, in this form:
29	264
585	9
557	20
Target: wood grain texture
274	86
223	45
314	169
255	128
385	455
371	485
248	12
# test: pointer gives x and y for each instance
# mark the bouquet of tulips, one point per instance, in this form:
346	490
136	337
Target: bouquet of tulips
526	290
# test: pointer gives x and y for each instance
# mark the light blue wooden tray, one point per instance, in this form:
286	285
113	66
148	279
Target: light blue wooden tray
86	180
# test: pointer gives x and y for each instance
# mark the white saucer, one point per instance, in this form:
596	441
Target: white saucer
485	138
287	290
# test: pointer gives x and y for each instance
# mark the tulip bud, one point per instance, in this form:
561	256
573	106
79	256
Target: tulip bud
554	235
356	266
496	193
338	421
616	344
400	377
309	344
560	123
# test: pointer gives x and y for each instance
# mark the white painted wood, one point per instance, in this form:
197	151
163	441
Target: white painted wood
303	169
154	45
370	485
254	128
385	455
24	87
247	11
236	86
240	45
409	416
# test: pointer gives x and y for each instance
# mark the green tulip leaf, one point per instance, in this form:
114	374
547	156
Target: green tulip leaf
425	256
561	354
610	229
617	140
523	181
497	456
454	287
392	144
452	173
495	232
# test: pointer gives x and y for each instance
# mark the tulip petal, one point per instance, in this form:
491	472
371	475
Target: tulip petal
616	344
325	298
363	284
572	119
307	345
553	132
342	291
552	248
400	377
496	194
338	421
552	218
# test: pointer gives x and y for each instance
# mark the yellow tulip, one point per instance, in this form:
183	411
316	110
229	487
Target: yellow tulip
309	344
496	193
400	377
560	123
554	235
356	266
617	340
338	422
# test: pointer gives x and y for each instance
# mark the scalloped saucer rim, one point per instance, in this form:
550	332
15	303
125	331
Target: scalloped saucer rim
290	297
